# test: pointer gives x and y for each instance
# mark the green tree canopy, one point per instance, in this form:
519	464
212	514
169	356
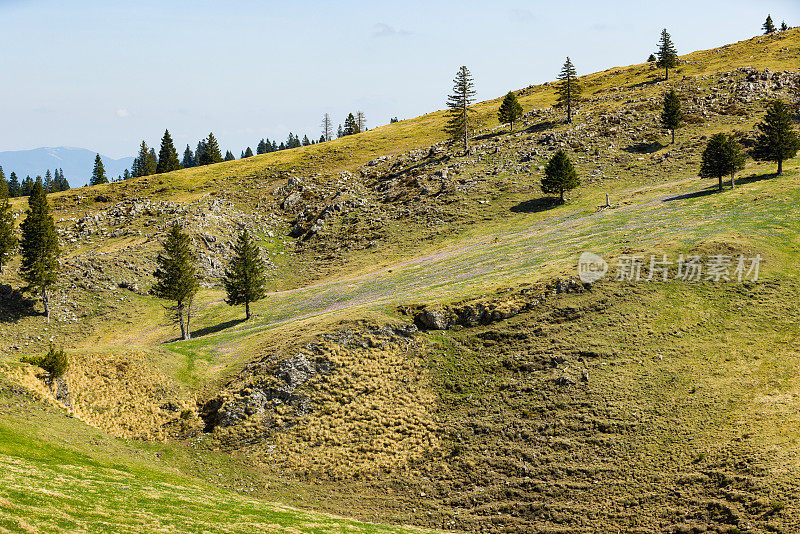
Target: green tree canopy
559	175
778	140
188	158
510	110
568	88
8	239
722	157
667	56
98	173
167	156
176	276
245	280
39	246
210	151
768	26
671	113
248	153
459	114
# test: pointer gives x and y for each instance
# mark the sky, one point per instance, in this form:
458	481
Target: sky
105	75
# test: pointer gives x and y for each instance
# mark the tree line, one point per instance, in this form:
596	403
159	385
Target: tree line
776	139
52	183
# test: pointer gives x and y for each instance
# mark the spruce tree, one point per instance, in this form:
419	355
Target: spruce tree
510	110
98	173
778	140
559	175
671	114
176	277
339	132
48	183
14	188
459	114
8	239
306	141
26	186
3	179
245	280
39	246
261	148
126	175
667	56
152	161
141	164
768	26
568	88
721	157
229	156
784	27
210	151
188	158
167	155
249	153
651	58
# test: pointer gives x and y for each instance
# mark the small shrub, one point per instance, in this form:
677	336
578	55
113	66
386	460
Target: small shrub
54	362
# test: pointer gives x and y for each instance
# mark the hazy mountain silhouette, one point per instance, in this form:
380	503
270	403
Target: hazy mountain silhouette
76	162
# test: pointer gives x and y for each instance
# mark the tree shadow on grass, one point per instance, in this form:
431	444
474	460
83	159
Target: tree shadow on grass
715	188
540	127
14	306
647	82
536	205
217	327
644	148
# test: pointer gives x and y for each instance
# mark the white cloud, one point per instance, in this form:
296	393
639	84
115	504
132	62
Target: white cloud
384	30
122	113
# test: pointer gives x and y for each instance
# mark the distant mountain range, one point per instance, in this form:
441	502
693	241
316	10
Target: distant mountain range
77	163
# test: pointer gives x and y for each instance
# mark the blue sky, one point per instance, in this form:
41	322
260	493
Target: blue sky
105	75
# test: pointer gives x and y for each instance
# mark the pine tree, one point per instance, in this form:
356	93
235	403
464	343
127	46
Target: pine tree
39	246
327	128
8	239
188	158
350	125
784	27
306	141
651	58
3	179
143	164
261	148
152	161
559	175
26	186
510	110
778	140
14	188
459	113
229	156
248	153
126	175
210	153
98	173
48	182
721	157
176	277
569	90
198	153
167	155
667	56
245	280
671	114
768	26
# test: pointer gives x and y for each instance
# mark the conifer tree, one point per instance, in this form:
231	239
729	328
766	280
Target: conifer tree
26	186
261	148
569	90
721	157
14	188
768	26
210	152
361	121
777	140
667	56
167	155
3	179
98	173
188	158
350	125
249	153
671	114
8	239
143	164
152	161
126	175
459	113
176	277
306	142
245	280
229	156
784	27
510	110
327	128
339	132
559	175
651	58
48	182
39	246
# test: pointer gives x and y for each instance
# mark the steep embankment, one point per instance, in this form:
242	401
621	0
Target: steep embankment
643	407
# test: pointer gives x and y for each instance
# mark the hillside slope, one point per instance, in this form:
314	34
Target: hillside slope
529	403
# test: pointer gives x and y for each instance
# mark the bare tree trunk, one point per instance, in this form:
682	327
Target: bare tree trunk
733	181
562	196
247	309
46	303
180	320
720	183
673	136
188	319
780	167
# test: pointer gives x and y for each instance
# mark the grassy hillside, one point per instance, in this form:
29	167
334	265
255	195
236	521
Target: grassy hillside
649	407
